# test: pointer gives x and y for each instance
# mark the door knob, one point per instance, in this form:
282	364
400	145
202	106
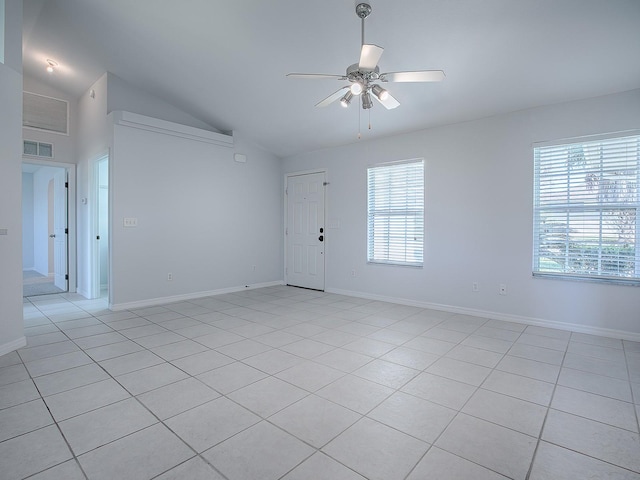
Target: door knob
53	235
321	238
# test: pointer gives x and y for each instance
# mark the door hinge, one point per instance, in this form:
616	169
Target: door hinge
66	184
286	231
66	276
66	230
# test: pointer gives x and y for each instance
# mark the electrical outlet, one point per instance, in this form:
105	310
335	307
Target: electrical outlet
130	222
474	287
502	289
169	277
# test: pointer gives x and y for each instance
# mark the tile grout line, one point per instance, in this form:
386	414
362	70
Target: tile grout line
635	407
458	412
55	422
548	408
303	359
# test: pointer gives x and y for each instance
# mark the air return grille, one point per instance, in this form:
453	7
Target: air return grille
37	149
45	113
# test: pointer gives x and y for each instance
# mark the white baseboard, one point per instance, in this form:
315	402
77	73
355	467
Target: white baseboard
151	302
83	293
539	322
14	345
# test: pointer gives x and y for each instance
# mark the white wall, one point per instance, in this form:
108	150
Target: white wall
478	218
123	96
11	324
201	216
27	221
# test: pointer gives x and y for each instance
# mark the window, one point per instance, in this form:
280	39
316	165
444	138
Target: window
586	204
396	213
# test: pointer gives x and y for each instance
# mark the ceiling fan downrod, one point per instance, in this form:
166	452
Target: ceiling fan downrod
363	10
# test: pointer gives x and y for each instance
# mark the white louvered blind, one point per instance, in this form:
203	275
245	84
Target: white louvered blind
396	213
586	205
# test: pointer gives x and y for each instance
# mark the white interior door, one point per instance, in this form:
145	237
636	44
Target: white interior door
60	229
305	231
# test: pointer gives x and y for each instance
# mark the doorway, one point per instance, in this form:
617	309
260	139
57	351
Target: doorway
305	231
100	228
45	230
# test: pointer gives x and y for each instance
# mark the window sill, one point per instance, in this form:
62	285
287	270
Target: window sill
630	282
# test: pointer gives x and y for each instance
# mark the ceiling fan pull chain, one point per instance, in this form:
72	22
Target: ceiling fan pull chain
359	121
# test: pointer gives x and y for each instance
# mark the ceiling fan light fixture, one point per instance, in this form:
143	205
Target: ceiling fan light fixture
356	88
367	103
346	100
380	92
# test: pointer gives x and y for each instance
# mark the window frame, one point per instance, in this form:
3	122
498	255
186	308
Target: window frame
579	205
373	254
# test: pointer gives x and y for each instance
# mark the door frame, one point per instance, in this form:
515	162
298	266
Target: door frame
94	289
286	219
71	216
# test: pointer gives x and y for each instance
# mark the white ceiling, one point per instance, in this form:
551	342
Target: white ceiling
225	61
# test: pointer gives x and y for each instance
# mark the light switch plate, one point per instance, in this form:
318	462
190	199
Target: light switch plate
130	222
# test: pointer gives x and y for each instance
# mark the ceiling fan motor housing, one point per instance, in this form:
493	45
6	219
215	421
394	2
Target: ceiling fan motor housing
363	10
355	73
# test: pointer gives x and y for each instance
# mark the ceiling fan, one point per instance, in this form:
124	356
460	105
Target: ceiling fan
364	75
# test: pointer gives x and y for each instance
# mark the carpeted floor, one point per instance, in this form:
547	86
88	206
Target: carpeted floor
34	283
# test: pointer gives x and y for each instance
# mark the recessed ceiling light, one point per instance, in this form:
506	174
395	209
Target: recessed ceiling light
51	64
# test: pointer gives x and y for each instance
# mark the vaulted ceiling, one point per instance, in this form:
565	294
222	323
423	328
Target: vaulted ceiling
224	61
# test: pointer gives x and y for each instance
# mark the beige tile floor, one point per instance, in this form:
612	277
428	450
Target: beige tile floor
284	383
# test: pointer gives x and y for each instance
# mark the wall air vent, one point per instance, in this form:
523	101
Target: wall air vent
45	113
37	149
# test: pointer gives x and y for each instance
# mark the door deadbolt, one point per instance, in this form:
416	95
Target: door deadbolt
321	238
321	230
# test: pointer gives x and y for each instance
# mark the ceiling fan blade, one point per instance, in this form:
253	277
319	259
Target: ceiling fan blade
388	101
332	98
369	57
315	75
419	76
